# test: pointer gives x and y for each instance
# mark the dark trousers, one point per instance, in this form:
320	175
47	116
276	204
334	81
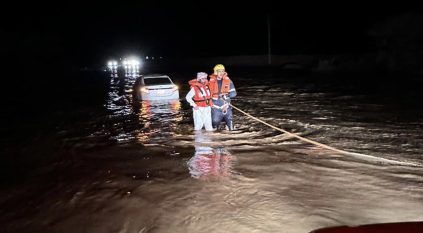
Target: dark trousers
218	116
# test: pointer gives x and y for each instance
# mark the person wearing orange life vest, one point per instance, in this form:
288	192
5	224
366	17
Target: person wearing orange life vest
222	90
200	99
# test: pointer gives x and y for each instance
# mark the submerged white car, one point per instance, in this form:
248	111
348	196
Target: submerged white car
155	87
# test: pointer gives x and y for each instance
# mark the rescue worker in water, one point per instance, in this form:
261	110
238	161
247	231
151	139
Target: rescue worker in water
222	90
199	98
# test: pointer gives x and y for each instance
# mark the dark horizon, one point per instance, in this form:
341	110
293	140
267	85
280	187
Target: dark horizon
86	35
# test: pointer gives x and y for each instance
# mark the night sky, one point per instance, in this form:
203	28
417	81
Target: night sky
86	33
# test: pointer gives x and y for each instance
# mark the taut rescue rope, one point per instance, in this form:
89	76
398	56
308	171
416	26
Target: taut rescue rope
326	146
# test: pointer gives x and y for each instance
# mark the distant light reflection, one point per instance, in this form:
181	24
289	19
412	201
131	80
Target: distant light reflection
160	120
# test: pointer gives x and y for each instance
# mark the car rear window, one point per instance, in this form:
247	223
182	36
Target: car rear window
156	81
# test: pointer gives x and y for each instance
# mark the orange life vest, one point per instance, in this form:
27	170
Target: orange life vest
202	93
214	87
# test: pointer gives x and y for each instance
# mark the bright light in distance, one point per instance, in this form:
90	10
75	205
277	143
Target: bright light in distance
112	64
132	63
175	88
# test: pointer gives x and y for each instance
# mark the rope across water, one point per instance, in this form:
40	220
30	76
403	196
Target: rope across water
326	146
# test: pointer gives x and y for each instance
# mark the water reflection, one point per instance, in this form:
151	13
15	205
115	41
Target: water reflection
207	162
162	110
132	73
284	185
113	72
146	121
160	120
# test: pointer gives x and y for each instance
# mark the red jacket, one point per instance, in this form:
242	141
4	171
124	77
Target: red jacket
202	97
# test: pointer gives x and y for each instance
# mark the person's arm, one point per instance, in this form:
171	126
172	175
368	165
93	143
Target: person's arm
189	96
232	90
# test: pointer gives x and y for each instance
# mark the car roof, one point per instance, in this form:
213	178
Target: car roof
155	76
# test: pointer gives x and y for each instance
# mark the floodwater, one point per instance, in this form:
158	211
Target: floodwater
118	165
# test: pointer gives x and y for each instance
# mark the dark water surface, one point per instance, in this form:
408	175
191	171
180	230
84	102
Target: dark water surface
82	156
